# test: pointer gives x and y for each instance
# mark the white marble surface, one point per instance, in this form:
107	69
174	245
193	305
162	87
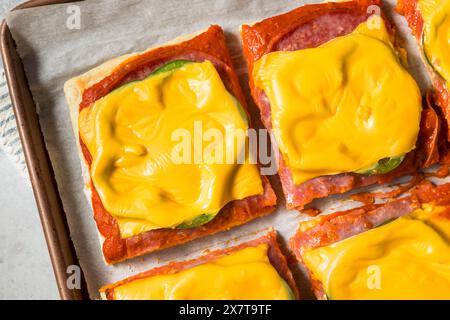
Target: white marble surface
25	268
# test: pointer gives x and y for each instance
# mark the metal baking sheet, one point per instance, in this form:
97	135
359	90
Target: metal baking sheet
53	219
72	229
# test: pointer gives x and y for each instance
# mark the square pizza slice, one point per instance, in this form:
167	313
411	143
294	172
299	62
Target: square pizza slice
332	85
253	270
152	130
396	250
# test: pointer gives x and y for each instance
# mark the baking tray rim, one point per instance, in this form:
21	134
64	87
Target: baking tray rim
40	170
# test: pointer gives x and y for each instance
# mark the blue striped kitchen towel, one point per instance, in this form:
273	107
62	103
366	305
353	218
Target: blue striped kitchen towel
9	136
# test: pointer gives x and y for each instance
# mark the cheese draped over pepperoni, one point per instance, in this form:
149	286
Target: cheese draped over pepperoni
408	258
343	106
246	274
161	149
436	35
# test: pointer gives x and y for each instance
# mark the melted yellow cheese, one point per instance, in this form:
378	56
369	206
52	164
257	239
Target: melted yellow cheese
241	275
408	258
134	132
343	106
436	36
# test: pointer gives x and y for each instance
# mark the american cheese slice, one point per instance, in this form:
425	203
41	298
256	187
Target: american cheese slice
154	145
343	106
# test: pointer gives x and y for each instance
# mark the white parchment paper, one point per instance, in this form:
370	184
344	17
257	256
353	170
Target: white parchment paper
52	53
